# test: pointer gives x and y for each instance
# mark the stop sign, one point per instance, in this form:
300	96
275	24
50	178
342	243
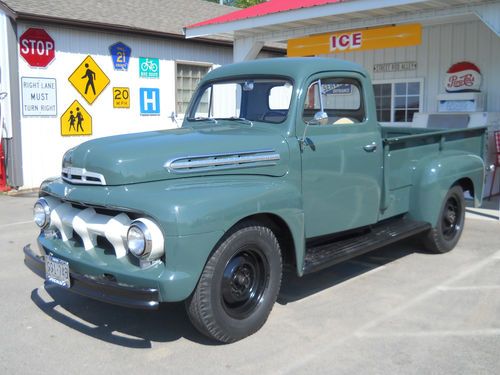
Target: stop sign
37	47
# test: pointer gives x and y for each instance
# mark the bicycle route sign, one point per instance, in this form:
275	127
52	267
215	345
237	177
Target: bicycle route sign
120	53
76	121
149	67
89	79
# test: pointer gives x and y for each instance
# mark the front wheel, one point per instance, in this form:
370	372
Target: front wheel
239	285
450	225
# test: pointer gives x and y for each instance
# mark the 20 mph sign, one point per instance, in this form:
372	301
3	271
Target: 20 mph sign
37	47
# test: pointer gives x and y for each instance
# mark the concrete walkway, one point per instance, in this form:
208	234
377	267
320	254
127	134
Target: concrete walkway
398	310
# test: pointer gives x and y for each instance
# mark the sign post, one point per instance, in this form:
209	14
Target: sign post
37	47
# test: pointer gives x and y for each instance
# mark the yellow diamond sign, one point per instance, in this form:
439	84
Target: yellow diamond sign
76	121
89	79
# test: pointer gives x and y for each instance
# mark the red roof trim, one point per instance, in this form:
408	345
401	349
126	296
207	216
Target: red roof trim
263	9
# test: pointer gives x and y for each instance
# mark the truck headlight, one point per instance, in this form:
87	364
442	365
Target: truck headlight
145	239
41	213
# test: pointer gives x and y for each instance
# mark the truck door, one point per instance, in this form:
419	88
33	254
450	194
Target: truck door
341	154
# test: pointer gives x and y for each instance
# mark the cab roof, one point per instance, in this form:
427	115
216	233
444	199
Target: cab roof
296	68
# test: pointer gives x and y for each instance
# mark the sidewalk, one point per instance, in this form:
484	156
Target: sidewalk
490	209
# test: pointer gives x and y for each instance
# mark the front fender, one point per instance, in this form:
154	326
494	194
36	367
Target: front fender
195	214
435	175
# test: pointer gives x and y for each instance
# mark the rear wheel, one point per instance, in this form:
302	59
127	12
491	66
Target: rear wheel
238	286
448	230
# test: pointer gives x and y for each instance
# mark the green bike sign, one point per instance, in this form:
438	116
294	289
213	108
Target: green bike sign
149	67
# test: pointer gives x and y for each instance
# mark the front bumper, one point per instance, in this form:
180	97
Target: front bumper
99	289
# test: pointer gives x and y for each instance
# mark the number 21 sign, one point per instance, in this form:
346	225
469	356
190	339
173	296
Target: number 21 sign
120	54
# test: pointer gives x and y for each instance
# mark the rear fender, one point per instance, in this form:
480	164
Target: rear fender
434	177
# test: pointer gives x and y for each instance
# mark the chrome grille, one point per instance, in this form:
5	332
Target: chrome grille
87	225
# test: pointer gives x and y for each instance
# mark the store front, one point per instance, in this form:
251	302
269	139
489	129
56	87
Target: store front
432	65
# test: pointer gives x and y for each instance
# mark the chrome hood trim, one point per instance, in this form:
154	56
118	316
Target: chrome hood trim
82	177
222	161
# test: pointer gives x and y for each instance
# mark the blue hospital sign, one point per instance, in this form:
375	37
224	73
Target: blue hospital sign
150	101
120	53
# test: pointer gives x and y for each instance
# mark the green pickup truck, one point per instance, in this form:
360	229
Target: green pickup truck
278	162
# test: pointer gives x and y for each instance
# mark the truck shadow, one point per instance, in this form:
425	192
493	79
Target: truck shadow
114	324
294	288
139	328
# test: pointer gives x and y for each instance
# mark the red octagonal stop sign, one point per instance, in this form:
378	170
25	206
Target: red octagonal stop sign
37	47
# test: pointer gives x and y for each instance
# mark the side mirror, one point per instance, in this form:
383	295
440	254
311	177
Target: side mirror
320	118
173	117
3	95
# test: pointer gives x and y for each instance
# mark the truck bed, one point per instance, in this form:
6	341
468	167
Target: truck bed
406	148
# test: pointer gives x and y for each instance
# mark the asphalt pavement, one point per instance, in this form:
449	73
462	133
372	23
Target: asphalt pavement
397	310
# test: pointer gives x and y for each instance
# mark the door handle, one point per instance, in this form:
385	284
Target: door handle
371	147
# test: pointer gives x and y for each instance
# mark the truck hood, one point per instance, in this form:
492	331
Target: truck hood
184	152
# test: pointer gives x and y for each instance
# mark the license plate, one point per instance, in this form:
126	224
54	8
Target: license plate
57	271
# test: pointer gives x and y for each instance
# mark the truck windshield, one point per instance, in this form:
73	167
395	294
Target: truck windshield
243	100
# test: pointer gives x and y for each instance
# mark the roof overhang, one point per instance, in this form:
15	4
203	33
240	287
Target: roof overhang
293	17
280	26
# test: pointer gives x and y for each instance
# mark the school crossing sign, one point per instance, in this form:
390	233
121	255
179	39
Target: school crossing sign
89	79
76	121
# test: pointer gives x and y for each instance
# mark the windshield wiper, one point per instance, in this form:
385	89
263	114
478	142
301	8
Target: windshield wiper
203	119
242	119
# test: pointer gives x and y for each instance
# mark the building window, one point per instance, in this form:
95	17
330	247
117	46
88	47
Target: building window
383	101
397	101
188	77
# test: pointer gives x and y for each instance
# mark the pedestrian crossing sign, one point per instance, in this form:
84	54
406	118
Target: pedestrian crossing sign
89	79
76	121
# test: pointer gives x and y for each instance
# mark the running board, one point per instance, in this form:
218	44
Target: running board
379	235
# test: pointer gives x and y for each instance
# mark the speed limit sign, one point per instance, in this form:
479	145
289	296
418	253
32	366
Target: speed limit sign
121	97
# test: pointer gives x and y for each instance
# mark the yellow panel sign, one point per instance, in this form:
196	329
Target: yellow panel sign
121	97
76	121
89	79
356	40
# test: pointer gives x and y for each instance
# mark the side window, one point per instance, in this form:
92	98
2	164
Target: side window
342	100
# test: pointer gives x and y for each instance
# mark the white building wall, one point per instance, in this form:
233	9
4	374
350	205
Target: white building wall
43	145
442	46
5	116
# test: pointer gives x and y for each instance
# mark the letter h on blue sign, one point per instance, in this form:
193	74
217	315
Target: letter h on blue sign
150	101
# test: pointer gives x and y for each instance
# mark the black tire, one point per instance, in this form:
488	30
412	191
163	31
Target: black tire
450	225
239	285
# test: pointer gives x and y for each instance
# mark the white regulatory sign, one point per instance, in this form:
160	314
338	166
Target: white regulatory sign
39	97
